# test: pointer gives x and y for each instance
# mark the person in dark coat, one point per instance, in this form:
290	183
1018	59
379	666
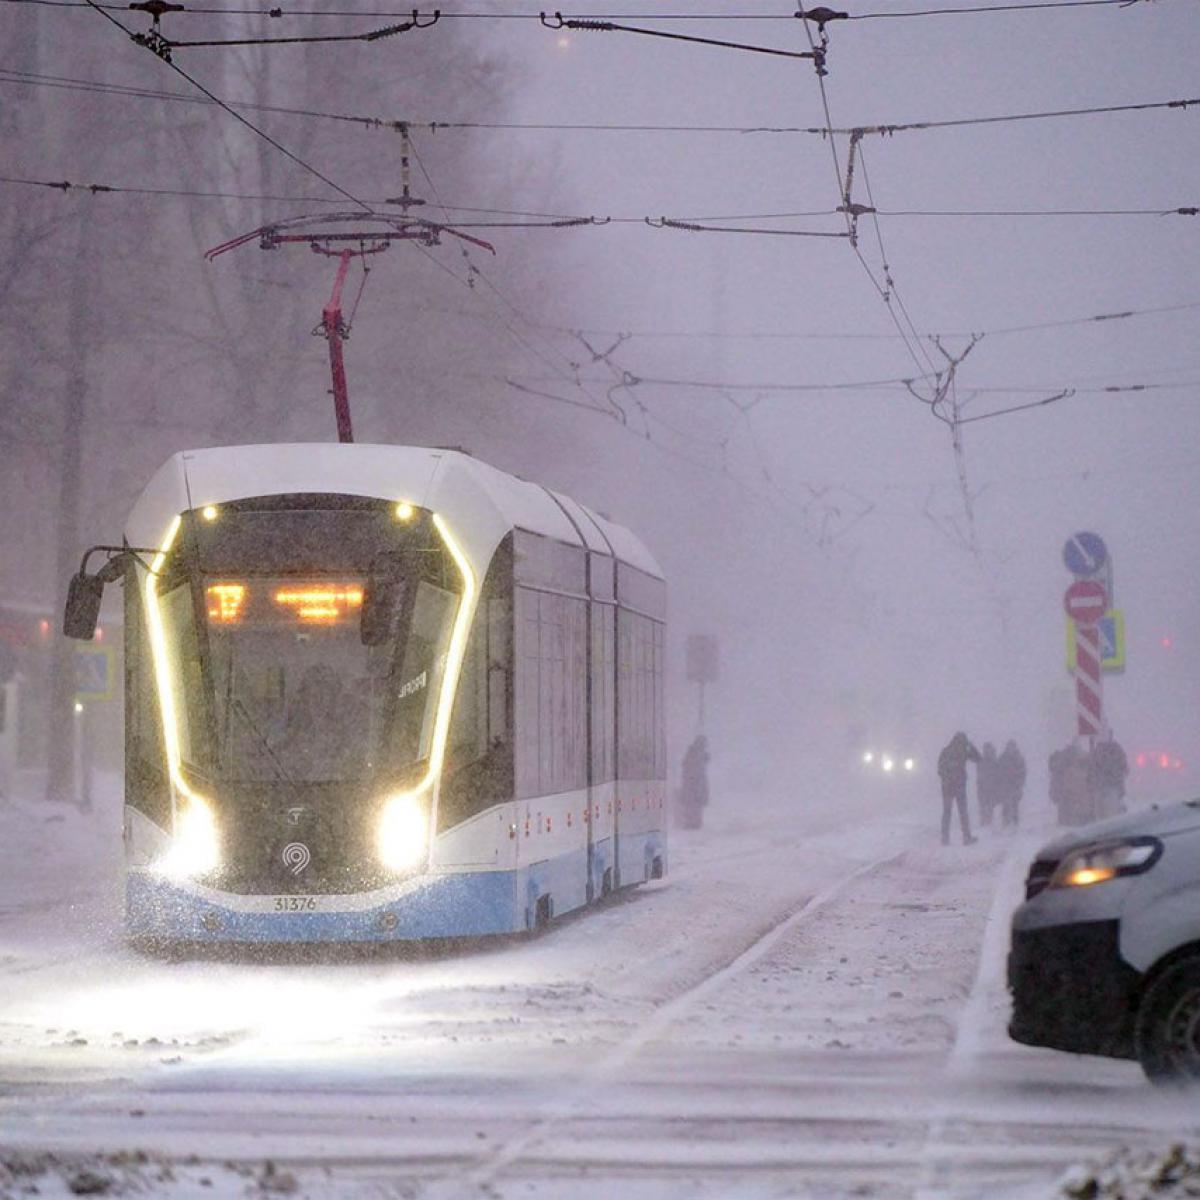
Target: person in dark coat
693	789
1012	783
987	783
952	771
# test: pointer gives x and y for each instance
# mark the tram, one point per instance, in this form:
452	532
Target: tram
377	693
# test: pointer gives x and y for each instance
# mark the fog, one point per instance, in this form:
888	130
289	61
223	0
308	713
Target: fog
775	416
821	535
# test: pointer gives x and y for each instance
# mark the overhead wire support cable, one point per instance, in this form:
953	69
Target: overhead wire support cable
1018	408
693	227
373	35
817	54
1029	6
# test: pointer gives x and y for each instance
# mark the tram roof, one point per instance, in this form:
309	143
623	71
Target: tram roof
480	502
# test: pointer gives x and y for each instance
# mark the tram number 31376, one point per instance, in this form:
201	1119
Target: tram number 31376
295	903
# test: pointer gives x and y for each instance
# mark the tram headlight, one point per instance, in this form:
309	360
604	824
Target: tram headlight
403	833
196	849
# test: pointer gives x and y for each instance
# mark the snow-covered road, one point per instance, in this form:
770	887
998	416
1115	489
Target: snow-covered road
811	1004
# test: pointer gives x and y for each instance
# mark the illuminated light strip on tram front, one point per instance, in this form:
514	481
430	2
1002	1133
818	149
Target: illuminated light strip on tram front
403	822
195	849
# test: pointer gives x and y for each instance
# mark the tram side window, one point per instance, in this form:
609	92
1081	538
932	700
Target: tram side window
604	711
640	741
145	763
551	693
479	767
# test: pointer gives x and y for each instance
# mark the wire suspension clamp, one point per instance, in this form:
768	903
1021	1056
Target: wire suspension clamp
154	39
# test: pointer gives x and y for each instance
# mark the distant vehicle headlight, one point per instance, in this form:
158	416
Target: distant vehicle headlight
196	849
868	756
887	763
1100	863
909	764
403	833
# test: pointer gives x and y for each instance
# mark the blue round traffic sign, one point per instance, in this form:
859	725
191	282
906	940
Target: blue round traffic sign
1085	554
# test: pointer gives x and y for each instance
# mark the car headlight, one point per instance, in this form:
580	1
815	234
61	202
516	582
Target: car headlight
403	833
909	764
196	849
1100	863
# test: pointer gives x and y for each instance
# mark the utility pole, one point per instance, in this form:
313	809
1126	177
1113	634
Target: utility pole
62	728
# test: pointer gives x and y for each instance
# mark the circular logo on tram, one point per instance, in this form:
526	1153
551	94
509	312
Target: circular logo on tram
296	857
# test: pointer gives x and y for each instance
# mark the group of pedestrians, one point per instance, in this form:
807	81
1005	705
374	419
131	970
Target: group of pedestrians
999	783
1088	784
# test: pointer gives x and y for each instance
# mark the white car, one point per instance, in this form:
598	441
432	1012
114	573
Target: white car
1105	955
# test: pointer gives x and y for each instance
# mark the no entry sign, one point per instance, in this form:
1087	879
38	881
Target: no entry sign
1086	601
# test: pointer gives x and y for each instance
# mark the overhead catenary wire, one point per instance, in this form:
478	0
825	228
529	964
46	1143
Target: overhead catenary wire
919	352
558	222
33	79
530	219
833	335
266	137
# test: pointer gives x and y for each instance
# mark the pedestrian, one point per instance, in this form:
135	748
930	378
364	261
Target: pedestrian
952	770
693	788
1012	783
1107	768
1069	787
987	783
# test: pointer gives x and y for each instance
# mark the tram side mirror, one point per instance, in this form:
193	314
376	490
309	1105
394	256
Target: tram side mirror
83	606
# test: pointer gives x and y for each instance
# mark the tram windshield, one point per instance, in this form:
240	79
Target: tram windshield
273	681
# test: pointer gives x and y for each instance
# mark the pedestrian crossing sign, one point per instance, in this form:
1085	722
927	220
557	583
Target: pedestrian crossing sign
95	672
1112	641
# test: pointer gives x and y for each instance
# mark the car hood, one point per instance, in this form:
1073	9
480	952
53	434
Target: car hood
1157	821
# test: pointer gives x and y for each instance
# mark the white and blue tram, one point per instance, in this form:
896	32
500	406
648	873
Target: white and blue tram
378	693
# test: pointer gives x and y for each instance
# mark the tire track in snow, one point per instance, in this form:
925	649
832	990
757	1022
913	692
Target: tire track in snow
571	1102
968	1039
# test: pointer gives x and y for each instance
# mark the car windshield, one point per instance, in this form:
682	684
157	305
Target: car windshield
273	681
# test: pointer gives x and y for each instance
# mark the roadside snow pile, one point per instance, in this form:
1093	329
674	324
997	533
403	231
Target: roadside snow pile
47	1175
1137	1175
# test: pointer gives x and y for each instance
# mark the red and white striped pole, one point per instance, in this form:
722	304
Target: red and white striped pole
1085	602
1089	691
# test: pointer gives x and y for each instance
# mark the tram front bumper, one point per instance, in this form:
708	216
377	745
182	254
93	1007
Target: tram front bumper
464	904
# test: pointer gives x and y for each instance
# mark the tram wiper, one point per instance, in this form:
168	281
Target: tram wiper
243	712
383	597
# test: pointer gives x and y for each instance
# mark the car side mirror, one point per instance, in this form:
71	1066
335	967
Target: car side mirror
83	606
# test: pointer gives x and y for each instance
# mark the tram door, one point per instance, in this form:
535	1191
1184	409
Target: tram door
602	727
